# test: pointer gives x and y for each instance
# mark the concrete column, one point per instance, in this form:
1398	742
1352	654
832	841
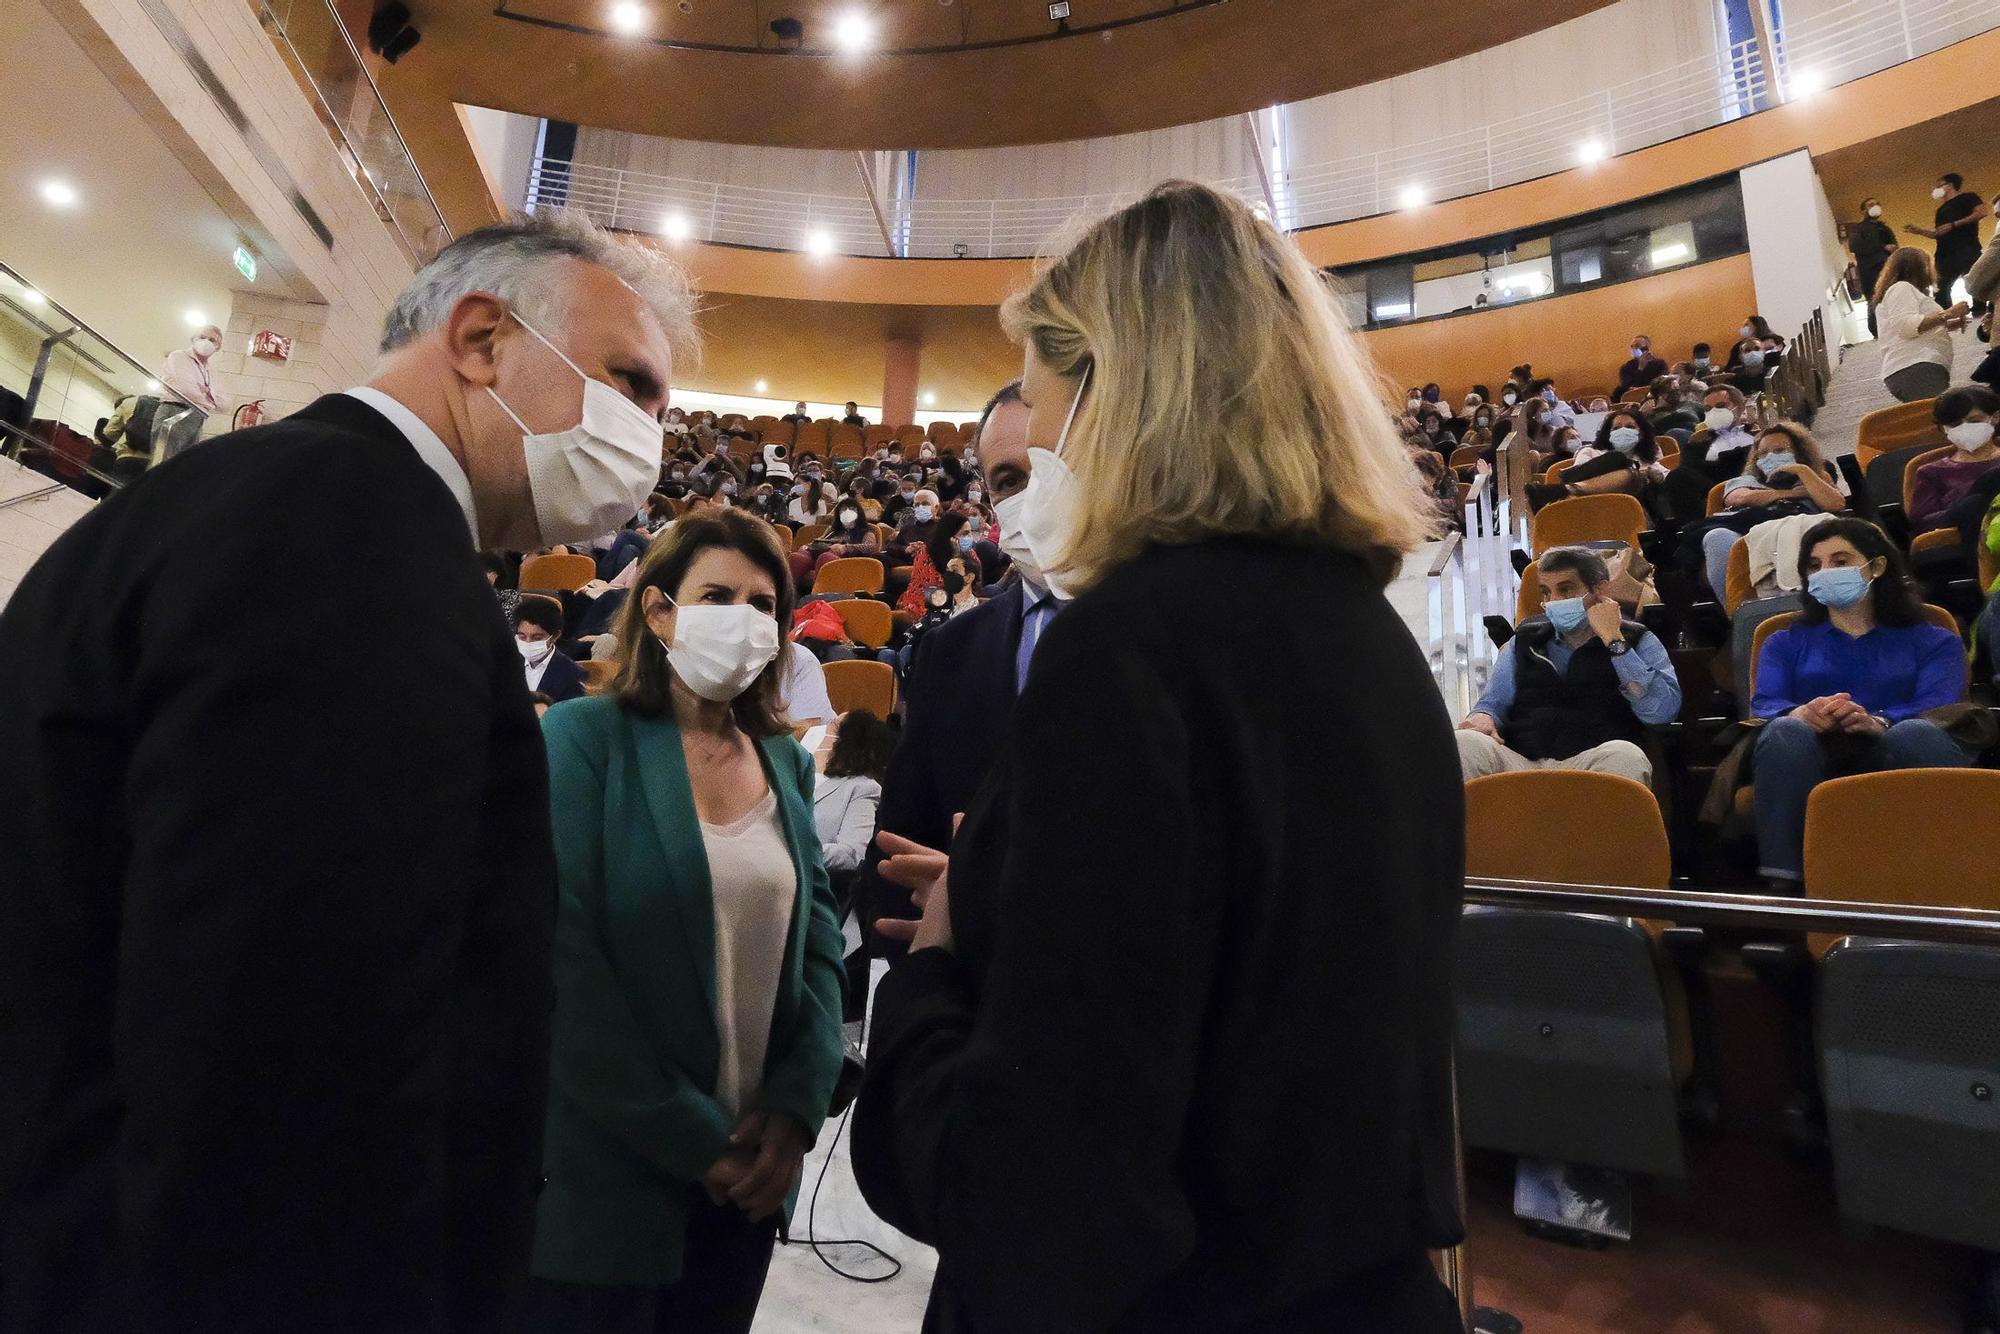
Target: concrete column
902	355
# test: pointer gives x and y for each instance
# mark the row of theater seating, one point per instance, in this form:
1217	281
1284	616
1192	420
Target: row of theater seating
1585	1038
836	440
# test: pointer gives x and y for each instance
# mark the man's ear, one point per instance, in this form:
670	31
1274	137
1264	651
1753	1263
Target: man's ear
471	336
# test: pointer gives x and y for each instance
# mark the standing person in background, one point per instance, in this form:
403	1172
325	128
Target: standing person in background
850	790
274	991
1955	229
698	973
1871	242
854	418
1075	1073
1915	331
189	395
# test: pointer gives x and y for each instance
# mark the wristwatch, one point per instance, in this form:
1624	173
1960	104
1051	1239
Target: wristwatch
1618	648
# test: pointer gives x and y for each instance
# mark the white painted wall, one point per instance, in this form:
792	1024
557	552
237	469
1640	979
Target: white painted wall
505	144
1795	250
28	527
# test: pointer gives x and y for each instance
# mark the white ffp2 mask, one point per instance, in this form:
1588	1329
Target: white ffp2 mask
1048	504
594	476
718	651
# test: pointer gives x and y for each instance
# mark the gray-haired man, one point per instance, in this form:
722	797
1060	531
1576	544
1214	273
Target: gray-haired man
275	925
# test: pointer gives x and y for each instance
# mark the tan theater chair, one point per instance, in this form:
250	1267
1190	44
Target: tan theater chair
597	675
560	574
851	574
860	684
1573	1029
868	622
1607	518
1894	428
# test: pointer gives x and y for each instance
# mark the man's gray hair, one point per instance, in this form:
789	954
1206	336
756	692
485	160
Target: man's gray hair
1587	564
515	261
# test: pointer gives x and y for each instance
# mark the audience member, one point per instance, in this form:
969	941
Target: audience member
798	416
1967	415
1702	359
538	624
1870	241
686	1090
1955	229
851	535
1640	368
1671	413
854	418
1576	686
1915	331
1786	474
1625	458
1021	1063
1846	688
850	790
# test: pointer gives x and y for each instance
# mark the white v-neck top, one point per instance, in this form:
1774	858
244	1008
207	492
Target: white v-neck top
755	887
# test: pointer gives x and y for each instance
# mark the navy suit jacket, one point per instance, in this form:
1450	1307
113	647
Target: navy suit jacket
958	703
562	679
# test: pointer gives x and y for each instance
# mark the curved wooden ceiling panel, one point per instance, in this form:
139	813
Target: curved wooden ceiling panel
946	74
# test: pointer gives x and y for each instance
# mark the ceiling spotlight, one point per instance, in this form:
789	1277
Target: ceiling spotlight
853	32
32	297
628	17
819	243
152	386
59	193
762	386
1590	150
1411	197
1059	12
675	226
930	399
1806	82
194	319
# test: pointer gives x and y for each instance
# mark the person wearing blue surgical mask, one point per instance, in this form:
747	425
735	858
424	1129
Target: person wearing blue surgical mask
1786	473
1641	367
1576	687
1846	688
1625	457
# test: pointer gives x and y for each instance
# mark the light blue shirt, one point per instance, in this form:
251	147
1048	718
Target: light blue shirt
1656	699
1038	607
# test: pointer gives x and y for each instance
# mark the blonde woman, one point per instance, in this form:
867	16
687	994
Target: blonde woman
1915	331
1173	1051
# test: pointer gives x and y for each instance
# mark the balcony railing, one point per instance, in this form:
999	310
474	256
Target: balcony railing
325	60
1856	38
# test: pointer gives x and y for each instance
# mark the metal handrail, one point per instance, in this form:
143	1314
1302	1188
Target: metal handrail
1896	921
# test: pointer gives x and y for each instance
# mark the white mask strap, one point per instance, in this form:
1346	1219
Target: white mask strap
1074	404
511	414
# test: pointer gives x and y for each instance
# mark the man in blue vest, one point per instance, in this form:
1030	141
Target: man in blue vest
1576	687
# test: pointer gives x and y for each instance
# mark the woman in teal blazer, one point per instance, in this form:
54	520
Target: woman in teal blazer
697	959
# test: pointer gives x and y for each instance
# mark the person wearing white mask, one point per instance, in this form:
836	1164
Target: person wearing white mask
316	967
698	954
538	624
963	679
1870	242
1199	855
1966	415
189	394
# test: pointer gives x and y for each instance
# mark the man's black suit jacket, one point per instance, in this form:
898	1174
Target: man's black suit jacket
276	908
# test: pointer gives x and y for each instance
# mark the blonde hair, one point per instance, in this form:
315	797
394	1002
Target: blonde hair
1226	393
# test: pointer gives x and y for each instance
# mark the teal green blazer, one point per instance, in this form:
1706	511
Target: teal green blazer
633	1121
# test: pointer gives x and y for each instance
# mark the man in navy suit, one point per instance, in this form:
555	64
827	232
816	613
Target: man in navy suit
538	624
962	685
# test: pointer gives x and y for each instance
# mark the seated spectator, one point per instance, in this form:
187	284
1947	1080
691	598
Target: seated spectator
1671	413
1702	358
812	503
798	416
538	624
1558	412
1440	482
1625	458
501	578
802	696
1716	451
1576	686
1967	415
851	535
1641	367
1846	688
845	798
1435	396
1786	473
854	418
920	549
659	514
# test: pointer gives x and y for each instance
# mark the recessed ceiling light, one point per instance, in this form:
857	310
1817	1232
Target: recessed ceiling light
628	16
1806	82
152	386
1590	150
819	243
59	193
1411	197
761	386
194	319
852	31
675	226
32	297
930	399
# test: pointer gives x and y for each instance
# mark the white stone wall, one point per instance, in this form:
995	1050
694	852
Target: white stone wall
28	527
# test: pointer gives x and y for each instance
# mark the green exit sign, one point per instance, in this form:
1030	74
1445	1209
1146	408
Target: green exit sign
246	263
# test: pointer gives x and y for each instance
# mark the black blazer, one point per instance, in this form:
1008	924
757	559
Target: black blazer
562	679
1188	1068
957	705
275	920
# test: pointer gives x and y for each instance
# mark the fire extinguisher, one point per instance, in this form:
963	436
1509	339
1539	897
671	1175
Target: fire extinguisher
250	414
